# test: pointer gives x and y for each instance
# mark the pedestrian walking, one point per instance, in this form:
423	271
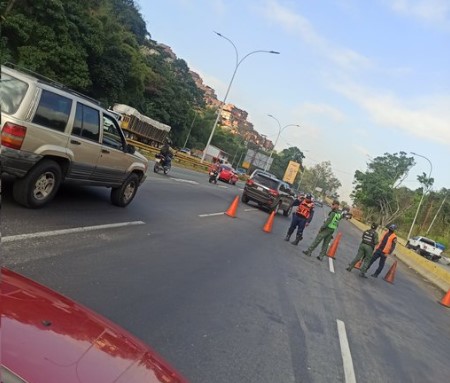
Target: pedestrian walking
301	217
365	250
325	233
386	247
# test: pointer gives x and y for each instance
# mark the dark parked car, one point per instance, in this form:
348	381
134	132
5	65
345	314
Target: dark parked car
269	192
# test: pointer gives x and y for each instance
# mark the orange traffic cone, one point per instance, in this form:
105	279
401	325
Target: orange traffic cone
446	300
390	275
334	246
231	212
268	226
358	265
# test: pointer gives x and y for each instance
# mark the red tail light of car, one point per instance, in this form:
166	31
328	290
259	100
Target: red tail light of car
249	182
13	135
273	192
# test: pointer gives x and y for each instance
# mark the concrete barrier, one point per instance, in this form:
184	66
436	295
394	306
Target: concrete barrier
433	272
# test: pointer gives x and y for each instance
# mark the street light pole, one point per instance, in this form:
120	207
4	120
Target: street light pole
423	194
280	129
190	130
238	62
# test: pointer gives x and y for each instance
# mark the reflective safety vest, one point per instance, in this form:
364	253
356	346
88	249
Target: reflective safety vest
368	237
304	209
391	237
335	221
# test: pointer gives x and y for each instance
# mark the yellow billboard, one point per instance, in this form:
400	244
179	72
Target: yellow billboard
291	172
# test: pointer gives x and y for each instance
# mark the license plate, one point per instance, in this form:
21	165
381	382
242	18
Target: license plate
260	188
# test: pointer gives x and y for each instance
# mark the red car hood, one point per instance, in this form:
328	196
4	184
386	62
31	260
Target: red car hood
46	337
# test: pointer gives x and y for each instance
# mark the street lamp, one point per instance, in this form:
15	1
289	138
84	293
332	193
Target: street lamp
423	193
238	62
280	129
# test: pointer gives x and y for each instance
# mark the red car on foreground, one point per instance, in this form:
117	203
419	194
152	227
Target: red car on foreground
227	174
48	338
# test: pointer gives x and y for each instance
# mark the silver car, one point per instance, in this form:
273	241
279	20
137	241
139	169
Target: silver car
51	134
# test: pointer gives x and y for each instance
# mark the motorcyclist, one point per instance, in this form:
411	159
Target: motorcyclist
166	153
215	166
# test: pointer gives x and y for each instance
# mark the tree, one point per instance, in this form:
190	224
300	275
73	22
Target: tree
320	176
377	190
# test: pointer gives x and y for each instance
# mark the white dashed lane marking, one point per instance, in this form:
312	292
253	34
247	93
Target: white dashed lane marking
349	372
82	229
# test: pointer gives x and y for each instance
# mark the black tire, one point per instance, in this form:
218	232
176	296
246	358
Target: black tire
125	193
39	186
244	198
166	169
155	168
408	246
287	212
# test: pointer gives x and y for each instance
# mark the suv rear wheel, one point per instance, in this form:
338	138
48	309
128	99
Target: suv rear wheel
39	186
244	198
125	193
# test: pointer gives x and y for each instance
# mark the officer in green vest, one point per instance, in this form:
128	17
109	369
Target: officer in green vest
325	233
365	251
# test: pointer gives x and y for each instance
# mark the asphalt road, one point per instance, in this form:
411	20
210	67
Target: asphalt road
220	299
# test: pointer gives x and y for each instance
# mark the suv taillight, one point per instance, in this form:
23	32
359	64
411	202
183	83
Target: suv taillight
273	192
250	182
13	135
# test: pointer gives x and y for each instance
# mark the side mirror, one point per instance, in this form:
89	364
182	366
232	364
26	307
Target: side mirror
131	149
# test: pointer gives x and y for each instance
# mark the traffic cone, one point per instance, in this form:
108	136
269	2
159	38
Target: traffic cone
446	300
268	226
231	212
332	250
358	265
390	275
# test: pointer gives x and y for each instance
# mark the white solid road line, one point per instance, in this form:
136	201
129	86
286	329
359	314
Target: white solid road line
252	209
349	372
211	214
330	261
185	181
20	237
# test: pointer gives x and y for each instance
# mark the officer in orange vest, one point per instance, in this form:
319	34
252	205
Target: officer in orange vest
386	247
301	218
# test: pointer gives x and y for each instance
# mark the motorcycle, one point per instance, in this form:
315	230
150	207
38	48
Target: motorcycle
162	163
213	174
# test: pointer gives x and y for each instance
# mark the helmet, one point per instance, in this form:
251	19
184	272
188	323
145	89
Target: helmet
392	227
168	141
373	226
308	196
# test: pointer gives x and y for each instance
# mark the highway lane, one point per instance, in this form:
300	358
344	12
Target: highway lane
224	301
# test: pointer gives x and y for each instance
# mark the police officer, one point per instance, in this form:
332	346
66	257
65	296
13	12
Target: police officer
386	247
325	233
301	217
365	251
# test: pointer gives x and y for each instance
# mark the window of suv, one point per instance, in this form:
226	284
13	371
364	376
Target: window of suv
87	123
261	179
53	111
427	241
12	92
111	134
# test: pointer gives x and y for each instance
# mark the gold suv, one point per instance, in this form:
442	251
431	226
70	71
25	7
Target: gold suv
52	134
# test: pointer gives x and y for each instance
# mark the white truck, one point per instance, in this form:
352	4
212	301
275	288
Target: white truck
425	247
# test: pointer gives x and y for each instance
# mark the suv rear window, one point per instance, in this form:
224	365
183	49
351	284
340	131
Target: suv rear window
12	92
265	181
53	111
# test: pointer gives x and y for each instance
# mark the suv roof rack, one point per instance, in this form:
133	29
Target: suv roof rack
49	81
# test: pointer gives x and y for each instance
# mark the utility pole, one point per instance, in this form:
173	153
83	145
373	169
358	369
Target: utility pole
190	130
434	218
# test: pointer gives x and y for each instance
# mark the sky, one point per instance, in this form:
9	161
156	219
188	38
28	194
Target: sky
361	77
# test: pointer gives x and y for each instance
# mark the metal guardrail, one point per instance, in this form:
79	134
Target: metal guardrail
179	157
